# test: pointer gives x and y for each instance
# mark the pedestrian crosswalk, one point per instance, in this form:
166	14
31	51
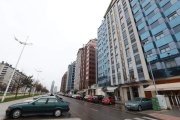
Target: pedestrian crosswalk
142	118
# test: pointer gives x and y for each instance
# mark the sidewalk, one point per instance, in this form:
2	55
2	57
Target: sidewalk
163	114
173	114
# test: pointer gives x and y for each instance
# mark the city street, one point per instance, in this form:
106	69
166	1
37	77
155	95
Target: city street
81	110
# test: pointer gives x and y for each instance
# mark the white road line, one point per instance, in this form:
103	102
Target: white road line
138	118
127	119
148	118
93	109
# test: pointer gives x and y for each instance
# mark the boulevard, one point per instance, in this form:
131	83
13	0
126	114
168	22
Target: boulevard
82	110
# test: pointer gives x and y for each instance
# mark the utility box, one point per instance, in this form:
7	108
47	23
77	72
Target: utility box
162	101
155	104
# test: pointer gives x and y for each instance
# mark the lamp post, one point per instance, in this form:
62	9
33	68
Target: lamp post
24	44
153	77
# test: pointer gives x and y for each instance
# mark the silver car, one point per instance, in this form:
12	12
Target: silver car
139	103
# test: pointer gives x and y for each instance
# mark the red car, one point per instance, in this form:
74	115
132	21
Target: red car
90	99
108	100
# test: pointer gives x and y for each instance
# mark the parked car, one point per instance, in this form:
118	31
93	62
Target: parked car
90	99
97	98
108	100
75	95
139	103
49	105
86	96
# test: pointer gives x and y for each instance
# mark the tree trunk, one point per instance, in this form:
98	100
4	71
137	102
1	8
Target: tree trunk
16	92
25	90
30	91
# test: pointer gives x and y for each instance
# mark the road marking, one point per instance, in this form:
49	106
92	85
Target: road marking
93	109
138	119
127	119
149	118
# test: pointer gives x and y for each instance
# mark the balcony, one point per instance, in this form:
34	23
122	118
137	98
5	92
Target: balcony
163	41
152	58
148	46
169	53
169	72
174	22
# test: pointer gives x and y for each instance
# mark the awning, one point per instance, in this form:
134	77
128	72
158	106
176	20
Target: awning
82	91
163	87
111	89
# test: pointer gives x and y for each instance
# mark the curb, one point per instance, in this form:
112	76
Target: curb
142	114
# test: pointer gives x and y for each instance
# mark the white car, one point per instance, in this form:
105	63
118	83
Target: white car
75	95
29	100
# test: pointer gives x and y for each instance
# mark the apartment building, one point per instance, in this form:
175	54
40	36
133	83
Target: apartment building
70	77
103	68
143	35
77	69
63	83
88	65
6	71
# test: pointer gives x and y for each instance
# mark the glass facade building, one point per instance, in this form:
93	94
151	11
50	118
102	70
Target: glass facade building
103	75
142	33
158	25
71	76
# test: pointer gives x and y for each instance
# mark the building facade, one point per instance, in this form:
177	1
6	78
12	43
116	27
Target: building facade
77	69
70	76
127	63
52	87
6	71
103	68
143	35
88	65
63	83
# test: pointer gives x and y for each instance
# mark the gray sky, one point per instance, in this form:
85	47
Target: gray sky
57	29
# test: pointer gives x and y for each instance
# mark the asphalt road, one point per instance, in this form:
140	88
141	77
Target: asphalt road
81	110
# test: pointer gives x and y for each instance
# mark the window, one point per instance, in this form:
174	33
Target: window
41	101
164	48
137	59
139	22
172	15
150	15
52	100
166	6
147	6
176	29
142	31
159	35
135	49
170	64
155	24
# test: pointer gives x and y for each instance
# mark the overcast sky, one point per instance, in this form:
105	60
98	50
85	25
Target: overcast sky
57	29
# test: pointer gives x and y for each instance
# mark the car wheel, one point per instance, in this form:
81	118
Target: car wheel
57	113
139	108
16	113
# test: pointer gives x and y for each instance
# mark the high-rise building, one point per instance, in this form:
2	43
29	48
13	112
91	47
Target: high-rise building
88	65
70	76
63	83
142	33
103	68
52	87
77	69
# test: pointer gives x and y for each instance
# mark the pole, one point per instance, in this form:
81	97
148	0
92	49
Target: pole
13	71
153	78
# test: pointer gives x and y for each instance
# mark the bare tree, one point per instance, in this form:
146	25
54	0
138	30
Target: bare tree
27	83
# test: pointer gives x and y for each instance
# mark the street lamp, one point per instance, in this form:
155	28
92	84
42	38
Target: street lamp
24	44
152	77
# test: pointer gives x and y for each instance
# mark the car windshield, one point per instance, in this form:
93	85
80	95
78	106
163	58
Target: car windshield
137	99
